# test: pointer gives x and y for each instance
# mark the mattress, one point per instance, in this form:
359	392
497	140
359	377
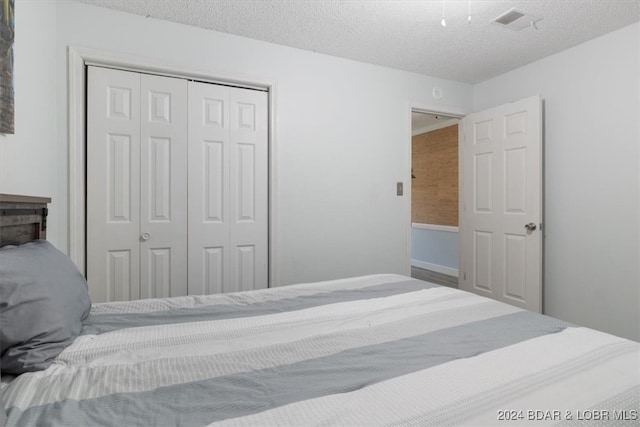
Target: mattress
373	350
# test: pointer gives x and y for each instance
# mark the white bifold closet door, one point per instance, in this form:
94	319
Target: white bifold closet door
136	185
228	188
176	187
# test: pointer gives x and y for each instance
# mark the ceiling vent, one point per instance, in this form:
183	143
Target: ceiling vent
516	20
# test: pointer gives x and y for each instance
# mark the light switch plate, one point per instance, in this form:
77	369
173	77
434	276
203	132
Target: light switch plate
399	189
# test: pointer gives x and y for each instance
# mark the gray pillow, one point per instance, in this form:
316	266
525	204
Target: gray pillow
43	301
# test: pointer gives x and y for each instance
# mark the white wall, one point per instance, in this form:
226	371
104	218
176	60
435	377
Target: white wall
27	158
592	139
342	136
435	247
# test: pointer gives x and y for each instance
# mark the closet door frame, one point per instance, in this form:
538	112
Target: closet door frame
77	61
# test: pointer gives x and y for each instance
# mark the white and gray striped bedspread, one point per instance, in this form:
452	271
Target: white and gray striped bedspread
374	350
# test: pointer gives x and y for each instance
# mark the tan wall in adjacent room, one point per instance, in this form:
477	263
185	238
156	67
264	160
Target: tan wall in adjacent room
434	189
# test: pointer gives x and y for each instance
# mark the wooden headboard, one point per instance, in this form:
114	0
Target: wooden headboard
22	218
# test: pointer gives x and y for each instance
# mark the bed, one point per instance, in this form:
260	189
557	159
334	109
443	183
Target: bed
374	350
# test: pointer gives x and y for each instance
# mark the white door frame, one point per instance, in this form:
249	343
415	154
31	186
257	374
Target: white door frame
78	59
421	107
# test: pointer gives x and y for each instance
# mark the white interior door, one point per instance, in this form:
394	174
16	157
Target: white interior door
113	184
228	189
136	185
249	183
209	139
501	203
163	187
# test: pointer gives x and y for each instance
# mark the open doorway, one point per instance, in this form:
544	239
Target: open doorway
434	198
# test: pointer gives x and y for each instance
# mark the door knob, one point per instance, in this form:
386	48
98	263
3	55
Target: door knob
530	227
145	236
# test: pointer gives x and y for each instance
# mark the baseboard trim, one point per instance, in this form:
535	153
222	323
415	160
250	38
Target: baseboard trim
435	267
435	227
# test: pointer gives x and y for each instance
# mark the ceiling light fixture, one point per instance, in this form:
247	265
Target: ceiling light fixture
444	21
469	17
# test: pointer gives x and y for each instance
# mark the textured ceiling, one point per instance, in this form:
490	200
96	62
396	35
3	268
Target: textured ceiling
403	34
421	121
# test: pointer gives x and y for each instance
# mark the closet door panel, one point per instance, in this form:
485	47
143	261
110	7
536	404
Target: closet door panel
249	187
113	184
163	183
228	189
209	210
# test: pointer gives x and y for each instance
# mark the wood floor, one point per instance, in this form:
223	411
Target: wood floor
433	277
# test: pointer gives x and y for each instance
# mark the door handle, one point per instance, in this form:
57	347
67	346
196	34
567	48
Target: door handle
145	236
530	227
